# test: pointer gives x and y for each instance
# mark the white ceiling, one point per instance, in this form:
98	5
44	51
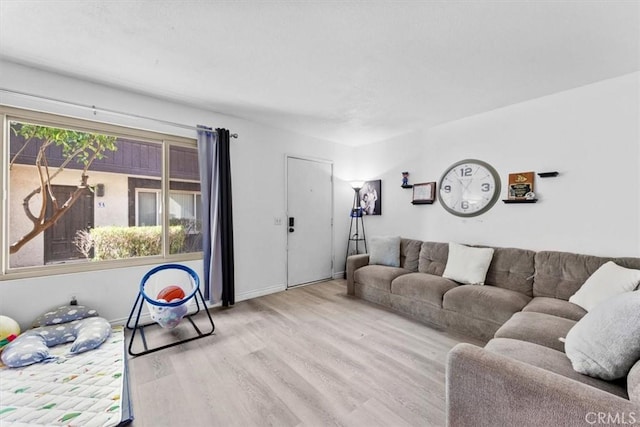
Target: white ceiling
353	72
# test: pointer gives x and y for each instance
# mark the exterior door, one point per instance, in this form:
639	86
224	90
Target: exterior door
58	239
309	221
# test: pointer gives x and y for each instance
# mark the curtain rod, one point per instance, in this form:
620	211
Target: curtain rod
105	110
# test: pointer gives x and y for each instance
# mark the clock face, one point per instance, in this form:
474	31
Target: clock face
469	188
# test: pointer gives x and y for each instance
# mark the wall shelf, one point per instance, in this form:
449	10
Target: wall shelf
407	186
548	174
519	200
422	202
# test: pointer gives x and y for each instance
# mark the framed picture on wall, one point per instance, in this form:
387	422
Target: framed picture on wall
424	193
371	197
520	184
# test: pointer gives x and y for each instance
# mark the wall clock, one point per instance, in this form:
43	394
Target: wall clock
469	188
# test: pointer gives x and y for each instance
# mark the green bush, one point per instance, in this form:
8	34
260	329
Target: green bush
131	242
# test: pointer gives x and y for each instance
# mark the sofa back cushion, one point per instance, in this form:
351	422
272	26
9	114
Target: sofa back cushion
510	268
513	269
409	254
561	274
433	258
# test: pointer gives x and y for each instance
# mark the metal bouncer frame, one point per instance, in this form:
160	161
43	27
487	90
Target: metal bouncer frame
142	296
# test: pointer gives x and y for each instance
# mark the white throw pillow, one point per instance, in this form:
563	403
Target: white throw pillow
607	281
604	343
385	250
467	265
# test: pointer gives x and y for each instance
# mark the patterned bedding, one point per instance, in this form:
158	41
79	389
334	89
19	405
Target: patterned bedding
88	389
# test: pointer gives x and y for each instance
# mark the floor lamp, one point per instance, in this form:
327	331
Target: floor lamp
356	229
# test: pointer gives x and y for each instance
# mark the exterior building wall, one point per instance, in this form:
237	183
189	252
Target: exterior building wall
112	209
22	179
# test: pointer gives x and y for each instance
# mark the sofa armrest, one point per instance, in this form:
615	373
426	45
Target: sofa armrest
489	389
354	262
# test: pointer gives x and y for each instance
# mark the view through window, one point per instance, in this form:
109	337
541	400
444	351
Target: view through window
82	196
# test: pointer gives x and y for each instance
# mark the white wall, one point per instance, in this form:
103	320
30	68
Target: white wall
257	158
387	160
590	135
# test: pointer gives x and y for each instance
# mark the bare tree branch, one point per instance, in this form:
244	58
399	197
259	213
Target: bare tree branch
44	225
84	147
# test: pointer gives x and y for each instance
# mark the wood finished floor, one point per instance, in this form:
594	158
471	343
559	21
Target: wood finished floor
310	356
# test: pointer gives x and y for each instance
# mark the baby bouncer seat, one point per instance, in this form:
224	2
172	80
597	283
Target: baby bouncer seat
171	294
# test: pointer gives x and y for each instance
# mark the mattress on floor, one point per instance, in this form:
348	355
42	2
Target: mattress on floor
88	389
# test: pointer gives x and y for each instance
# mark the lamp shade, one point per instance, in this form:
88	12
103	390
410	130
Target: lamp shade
356	185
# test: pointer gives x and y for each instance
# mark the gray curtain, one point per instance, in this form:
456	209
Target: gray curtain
211	233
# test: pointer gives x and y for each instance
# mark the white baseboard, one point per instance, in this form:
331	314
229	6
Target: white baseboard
339	275
260	292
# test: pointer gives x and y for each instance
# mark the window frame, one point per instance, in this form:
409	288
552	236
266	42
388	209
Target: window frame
166	141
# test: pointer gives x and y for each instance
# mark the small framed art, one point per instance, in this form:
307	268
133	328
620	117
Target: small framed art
424	193
521	185
371	197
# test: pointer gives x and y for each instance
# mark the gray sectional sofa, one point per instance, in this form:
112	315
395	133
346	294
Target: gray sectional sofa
522	376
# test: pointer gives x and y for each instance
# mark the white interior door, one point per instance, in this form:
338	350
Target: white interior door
309	221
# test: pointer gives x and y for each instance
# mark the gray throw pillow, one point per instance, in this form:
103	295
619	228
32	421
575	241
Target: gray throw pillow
385	250
605	343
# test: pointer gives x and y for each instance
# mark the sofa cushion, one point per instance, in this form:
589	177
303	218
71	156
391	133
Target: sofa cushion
550	360
423	287
378	276
561	274
633	383
555	307
513	269
467	265
433	257
538	328
485	302
607	281
384	250
409	254
605	342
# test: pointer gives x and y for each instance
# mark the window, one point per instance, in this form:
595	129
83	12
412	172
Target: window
79	191
148	208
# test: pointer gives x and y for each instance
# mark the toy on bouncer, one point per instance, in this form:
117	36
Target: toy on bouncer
169	316
9	330
168	291
168	306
